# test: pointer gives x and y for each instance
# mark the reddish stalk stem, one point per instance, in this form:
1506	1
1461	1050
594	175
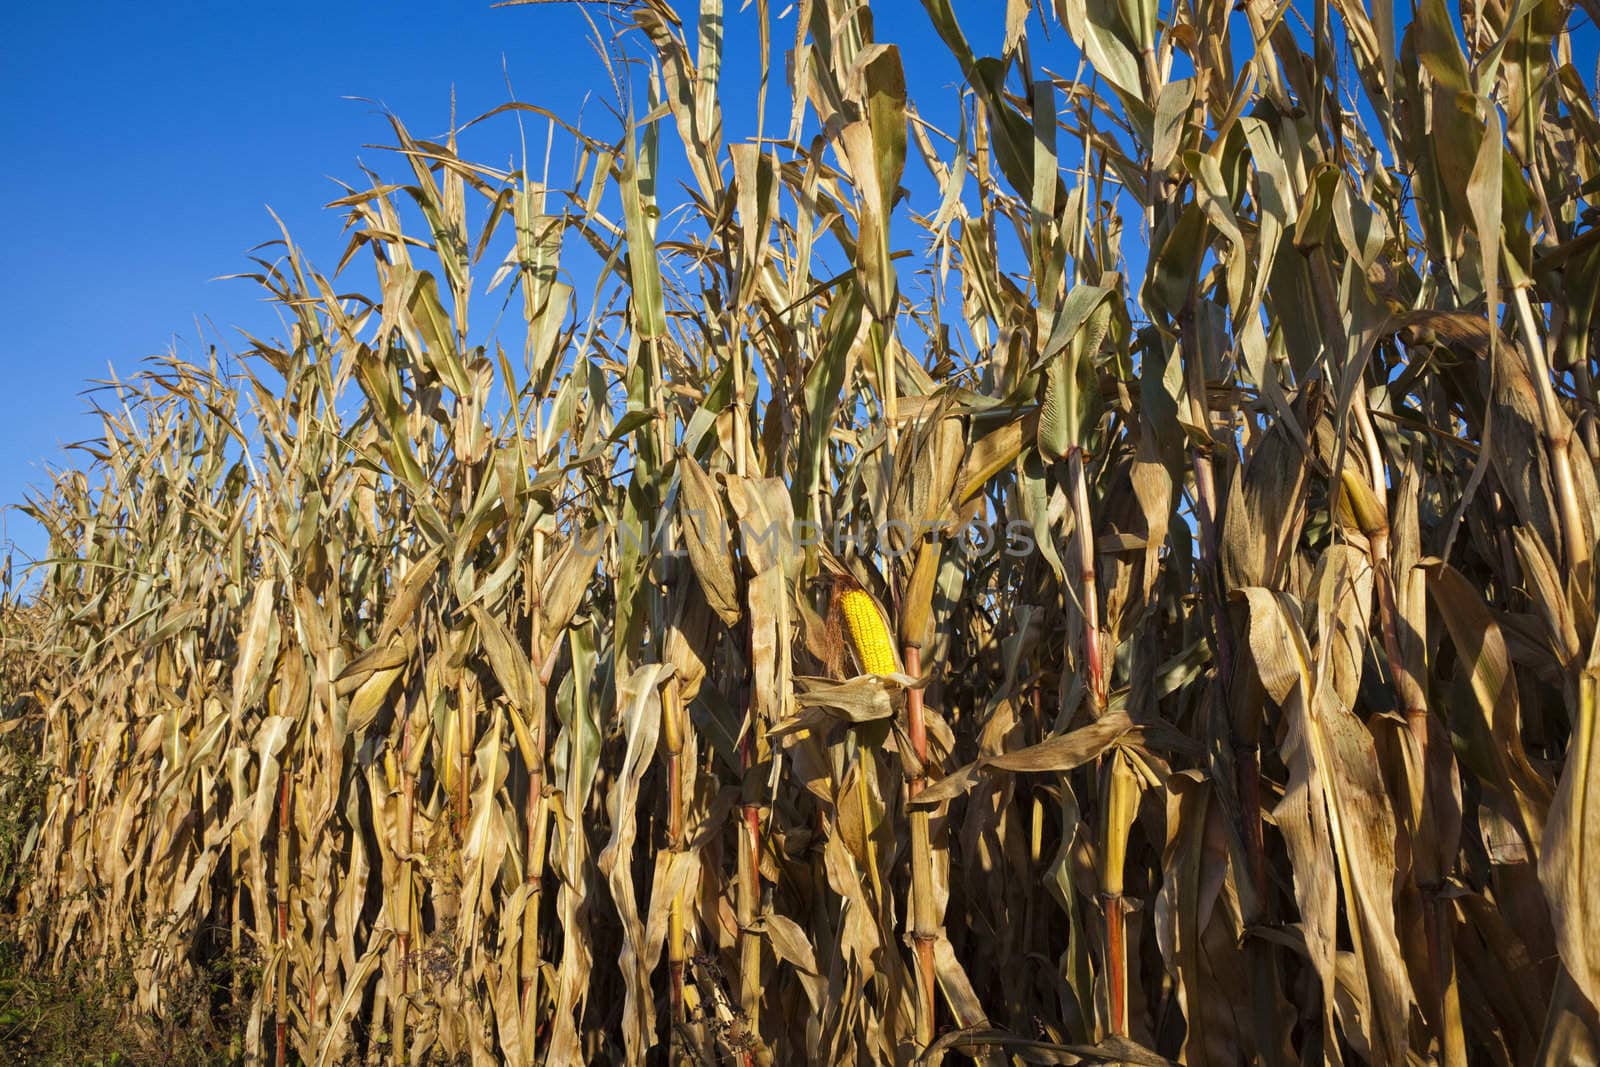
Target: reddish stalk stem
675	802
1116	965
916	720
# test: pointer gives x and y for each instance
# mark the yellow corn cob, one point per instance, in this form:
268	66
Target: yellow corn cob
868	632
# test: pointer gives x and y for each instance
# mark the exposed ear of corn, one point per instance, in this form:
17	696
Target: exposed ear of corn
869	631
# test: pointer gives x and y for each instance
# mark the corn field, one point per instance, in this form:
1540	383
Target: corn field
1107	580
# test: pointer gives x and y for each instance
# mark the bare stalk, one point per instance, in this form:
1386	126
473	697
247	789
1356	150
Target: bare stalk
924	923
